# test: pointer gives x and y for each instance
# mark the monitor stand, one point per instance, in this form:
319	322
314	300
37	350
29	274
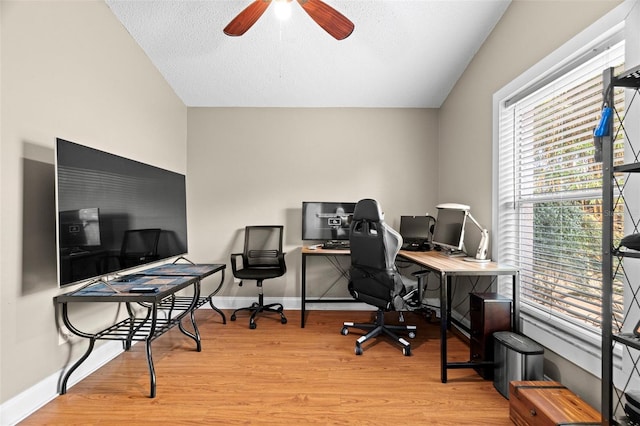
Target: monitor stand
454	253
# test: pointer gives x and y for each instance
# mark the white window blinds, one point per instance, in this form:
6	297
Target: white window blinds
550	191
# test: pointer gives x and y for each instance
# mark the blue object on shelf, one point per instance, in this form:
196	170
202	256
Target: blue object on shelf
603	126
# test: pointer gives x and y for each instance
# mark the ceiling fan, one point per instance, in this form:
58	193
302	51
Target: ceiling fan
332	21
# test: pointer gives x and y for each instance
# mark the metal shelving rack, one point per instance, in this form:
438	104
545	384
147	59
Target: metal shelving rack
614	332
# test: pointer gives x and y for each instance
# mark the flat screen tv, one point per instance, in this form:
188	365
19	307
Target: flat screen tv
448	233
326	221
100	196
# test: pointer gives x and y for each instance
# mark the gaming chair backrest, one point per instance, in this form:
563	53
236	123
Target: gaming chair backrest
374	246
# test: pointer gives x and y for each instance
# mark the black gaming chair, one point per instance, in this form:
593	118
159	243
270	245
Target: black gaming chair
262	258
374	278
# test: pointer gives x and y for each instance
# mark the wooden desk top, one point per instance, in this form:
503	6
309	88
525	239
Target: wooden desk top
440	262
433	260
324	252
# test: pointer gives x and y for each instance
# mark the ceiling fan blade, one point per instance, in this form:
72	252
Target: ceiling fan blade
332	21
245	19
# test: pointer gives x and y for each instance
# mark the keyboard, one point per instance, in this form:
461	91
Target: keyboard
336	245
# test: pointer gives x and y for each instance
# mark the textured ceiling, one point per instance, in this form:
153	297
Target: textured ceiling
401	53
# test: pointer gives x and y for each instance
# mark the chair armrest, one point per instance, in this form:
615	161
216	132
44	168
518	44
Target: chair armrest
281	261
234	262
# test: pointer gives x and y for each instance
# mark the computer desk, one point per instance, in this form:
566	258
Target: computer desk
306	252
447	268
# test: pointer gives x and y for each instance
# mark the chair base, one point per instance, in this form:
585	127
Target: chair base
260	307
378	328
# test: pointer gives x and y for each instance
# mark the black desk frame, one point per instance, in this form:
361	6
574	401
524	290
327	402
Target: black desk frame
319	252
446	269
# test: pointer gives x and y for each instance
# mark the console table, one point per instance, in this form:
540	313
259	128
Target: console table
146	327
191	269
447	267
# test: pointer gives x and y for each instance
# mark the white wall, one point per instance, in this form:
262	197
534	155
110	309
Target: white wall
527	32
68	69
255	166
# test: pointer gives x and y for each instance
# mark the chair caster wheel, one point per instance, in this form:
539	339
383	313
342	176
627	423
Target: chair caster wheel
283	320
406	351
252	325
412	335
358	350
344	331
233	317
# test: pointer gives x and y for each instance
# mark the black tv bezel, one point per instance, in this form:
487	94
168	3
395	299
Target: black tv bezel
305	233
179	180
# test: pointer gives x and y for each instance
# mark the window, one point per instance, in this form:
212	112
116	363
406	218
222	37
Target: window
549	193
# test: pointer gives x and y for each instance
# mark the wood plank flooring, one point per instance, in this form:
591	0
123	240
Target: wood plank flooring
283	375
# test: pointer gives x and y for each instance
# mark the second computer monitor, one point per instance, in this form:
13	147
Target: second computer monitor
449	230
417	231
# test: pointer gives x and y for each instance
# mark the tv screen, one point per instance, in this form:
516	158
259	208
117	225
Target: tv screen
99	197
449	229
326	221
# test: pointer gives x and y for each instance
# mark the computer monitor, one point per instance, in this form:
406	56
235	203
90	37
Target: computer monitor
416	229
326	221
448	233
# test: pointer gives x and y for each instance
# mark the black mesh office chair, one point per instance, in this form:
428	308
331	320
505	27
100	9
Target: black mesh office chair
374	278
262	259
139	246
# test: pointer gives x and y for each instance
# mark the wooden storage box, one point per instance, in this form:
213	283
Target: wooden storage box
548	403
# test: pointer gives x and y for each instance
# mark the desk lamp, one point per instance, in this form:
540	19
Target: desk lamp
481	253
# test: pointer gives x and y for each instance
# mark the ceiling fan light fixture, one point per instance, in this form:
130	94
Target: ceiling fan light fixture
282	9
332	21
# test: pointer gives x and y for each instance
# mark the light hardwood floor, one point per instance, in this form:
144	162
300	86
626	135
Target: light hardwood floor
283	375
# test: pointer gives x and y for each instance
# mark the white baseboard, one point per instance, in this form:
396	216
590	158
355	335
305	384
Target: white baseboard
289	303
28	402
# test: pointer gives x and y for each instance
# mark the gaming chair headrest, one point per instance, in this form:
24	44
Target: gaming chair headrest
368	209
